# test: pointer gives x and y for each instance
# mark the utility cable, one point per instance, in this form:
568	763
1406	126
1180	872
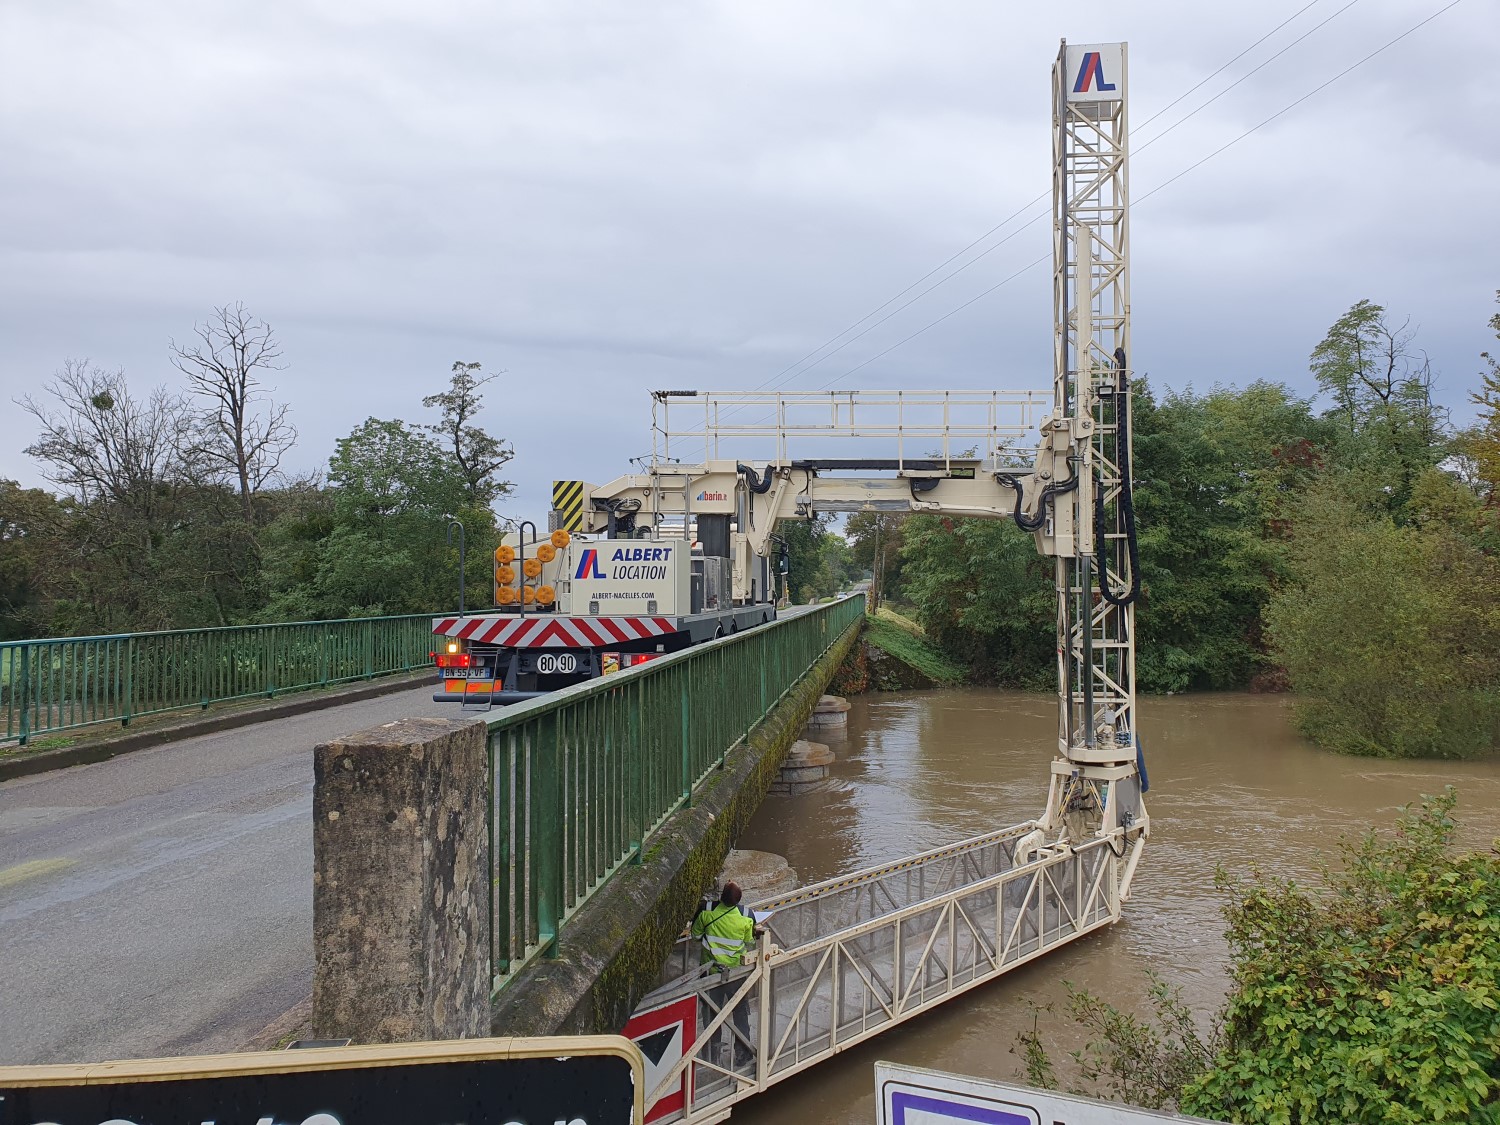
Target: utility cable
1166	183
1229	64
791	370
1248	74
1303	98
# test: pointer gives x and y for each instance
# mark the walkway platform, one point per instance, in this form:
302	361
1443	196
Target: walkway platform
848	958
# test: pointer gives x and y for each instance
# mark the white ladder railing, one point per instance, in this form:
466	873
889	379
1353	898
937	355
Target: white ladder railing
996	428
846	959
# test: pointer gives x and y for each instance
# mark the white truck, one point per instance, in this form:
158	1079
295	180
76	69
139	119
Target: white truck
572	608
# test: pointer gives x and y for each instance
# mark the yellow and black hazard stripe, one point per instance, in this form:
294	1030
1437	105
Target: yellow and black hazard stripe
567	501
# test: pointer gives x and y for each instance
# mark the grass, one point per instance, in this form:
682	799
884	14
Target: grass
912	647
886	613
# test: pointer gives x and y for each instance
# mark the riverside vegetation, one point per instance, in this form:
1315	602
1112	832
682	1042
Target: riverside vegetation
1347	547
1376	999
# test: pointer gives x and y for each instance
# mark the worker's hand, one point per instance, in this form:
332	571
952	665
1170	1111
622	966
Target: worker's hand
760	931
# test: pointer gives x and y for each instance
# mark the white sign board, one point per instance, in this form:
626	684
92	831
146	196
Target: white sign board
1096	72
908	1095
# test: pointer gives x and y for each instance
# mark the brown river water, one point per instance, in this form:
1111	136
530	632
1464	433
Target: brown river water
1232	784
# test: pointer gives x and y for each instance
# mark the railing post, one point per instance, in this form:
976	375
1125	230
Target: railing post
129	681
369	649
635	765
546	833
25	693
203	691
506	884
687	769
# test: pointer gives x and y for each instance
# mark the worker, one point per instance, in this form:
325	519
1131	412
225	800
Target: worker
728	932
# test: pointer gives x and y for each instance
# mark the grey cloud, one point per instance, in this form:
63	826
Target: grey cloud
603	198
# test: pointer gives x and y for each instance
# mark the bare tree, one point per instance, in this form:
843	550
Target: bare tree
106	444
479	455
245	432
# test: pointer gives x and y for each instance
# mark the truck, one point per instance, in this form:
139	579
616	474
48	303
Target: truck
572	605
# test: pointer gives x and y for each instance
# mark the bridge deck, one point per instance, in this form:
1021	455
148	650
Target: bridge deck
845	959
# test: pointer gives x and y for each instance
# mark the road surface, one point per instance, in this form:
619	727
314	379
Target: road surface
160	903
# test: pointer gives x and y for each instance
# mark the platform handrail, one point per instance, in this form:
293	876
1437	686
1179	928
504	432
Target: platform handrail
581	779
810	999
55	684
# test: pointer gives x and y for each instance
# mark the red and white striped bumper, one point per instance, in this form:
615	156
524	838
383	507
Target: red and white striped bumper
546	631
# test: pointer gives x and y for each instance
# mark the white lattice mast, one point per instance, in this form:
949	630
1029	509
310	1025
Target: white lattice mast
1091	296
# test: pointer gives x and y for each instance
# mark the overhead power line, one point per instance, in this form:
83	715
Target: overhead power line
1248	74
796	368
1166	183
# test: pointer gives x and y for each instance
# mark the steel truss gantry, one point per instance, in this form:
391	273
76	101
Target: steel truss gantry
1096	580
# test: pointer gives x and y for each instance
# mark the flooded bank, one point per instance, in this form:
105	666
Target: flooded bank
1232	785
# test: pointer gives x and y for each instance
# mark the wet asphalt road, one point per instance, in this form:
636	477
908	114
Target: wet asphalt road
161	903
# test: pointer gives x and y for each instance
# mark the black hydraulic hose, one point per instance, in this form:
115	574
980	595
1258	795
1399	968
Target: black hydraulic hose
758	485
1127	498
1051	491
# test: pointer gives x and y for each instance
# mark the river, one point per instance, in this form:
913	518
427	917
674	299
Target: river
1232	784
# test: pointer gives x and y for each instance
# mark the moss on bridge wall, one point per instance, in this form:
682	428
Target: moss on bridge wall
611	952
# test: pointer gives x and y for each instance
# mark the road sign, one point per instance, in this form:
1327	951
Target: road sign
583	1080
907	1095
663	1034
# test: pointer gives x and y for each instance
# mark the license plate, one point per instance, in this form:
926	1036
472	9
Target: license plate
479	674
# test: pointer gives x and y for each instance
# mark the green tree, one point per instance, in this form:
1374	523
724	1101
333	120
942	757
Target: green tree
1390	634
478	455
875	548
1386	421
1483	442
983	595
393	491
818	559
1214	476
32	523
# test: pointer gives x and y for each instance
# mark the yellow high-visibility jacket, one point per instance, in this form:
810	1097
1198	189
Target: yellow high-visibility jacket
727	934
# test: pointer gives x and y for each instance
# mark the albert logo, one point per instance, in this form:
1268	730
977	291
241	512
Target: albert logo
588	566
1091	74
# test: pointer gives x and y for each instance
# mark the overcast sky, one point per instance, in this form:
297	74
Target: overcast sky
603	198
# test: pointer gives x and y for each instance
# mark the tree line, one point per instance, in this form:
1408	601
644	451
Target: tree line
173	509
1346	546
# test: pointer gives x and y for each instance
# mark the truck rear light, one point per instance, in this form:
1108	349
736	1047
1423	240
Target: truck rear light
453	659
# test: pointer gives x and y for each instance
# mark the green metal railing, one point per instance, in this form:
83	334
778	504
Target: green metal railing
61	683
580	779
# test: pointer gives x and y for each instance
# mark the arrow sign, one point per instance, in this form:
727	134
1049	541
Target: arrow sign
907	1095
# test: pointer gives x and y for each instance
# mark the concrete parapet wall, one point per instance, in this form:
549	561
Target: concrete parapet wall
610	954
400	883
